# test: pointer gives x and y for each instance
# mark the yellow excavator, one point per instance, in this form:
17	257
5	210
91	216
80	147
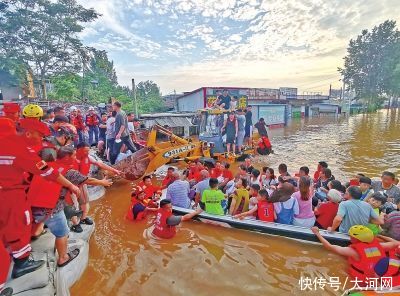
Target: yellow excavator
157	153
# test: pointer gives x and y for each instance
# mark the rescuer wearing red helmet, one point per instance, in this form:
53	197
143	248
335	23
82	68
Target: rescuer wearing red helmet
12	110
16	158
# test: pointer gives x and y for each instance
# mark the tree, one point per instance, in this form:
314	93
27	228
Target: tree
66	87
149	97
370	61
42	35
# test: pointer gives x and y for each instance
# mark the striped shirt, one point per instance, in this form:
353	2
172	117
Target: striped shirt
178	194
392	225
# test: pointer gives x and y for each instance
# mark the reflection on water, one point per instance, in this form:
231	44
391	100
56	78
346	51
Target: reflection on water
204	259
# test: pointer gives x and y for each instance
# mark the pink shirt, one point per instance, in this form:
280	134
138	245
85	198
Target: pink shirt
305	207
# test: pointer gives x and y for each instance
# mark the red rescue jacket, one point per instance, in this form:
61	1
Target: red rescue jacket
264	142
161	228
265	211
77	121
370	254
92	120
129	214
83	164
43	193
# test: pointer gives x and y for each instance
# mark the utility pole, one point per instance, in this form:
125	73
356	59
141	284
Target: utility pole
134	97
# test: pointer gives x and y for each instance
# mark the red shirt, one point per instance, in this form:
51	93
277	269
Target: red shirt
215	173
227	174
166	181
149	190
194	175
326	213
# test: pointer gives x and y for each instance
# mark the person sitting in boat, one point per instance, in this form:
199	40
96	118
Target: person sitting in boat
165	222
264	146
168	177
268	178
366	256
321	165
283	172
392	224
138	208
178	192
263	210
200	187
148	187
217	171
254	189
194	173
377	200
240	198
154	201
285	205
227	176
365	186
242	173
255	177
248	164
326	211
321	187
353	211
212	198
306	217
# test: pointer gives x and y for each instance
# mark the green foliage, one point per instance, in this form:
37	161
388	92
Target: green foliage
149	97
66	88
371	63
42	35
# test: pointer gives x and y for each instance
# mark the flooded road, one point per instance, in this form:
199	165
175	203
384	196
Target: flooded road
207	260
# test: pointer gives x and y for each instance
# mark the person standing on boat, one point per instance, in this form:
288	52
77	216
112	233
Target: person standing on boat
231	128
165	222
241	122
248	126
262	128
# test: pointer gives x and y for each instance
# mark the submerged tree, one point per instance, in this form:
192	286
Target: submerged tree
43	35
371	61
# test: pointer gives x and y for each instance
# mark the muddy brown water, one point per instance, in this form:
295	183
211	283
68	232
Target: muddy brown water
207	260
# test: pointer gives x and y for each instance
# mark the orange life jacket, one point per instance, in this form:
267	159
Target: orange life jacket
129	214
92	120
43	193
370	254
83	164
161	228
265	211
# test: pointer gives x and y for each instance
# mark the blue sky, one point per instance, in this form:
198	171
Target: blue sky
185	44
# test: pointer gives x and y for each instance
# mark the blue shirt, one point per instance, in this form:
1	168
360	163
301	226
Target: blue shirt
355	212
178	194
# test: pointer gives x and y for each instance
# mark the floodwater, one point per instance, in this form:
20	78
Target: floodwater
207	260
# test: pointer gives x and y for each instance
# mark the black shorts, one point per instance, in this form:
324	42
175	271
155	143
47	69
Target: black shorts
247	131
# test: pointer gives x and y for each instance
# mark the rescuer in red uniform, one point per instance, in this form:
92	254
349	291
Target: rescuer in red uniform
16	158
11	110
165	222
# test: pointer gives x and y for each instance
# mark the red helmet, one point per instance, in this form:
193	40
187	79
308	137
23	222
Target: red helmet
31	124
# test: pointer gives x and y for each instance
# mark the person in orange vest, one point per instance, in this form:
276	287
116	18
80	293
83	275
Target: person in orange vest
92	122
12	111
138	208
84	161
16	158
165	222
76	119
366	256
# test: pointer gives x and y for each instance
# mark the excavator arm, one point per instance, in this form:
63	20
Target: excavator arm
156	153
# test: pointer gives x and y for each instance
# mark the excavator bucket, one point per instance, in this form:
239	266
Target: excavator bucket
134	166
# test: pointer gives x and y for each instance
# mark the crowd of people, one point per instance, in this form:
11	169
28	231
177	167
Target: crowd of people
44	173
360	207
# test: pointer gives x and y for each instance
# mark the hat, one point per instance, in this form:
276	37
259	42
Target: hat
73	108
30	124
11	107
7	127
91	108
335	195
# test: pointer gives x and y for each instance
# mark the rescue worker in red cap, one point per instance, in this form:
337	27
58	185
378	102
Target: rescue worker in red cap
11	110
16	157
